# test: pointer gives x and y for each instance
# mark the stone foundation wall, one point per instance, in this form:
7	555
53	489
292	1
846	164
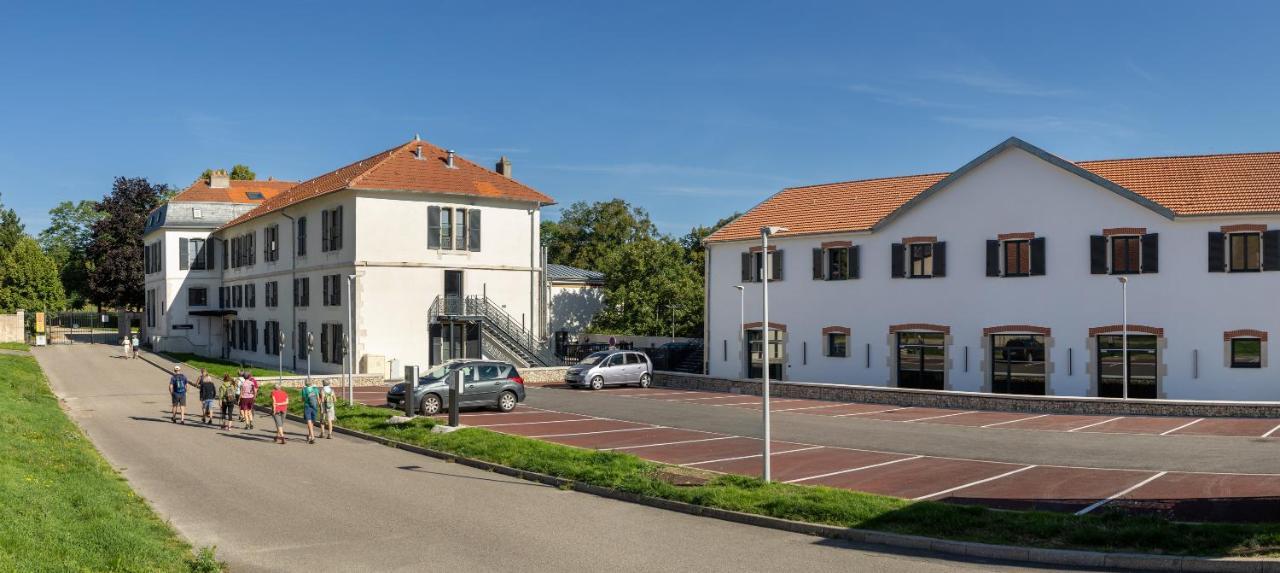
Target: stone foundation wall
973	400
547	375
12	328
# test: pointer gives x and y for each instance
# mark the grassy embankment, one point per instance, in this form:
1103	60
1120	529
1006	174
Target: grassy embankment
1108	531
217	367
65	508
14	346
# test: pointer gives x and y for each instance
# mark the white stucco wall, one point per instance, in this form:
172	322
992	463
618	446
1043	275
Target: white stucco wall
1013	192
573	306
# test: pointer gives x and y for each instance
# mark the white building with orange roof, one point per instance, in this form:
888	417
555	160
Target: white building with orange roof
413	255
1003	277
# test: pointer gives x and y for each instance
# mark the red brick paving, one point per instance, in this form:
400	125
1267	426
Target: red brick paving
1139	425
1048	488
1058	422
978	418
1207	497
587	425
633	438
802	464
915	478
1229	427
908	414
705	451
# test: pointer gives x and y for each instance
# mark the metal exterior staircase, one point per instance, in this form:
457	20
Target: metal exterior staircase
692	361
499	334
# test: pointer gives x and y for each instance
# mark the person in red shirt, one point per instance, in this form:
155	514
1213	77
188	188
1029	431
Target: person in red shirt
279	405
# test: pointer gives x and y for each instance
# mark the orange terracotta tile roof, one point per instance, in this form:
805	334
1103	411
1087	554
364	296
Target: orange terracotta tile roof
399	169
1233	184
238	192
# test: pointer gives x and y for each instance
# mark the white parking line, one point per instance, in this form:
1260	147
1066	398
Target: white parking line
1012	421
669	443
725	397
1095	424
1103	502
857	469
1165	433
811	407
1271	431
971	484
532	423
649	394
753	402
599	432
871	412
752	456
942	416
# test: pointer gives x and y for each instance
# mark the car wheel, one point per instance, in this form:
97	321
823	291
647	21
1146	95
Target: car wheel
430	405
597	383
507	401
644	380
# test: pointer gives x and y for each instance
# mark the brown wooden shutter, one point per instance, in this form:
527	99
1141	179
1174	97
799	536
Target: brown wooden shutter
183	246
746	267
897	256
1218	252
775	266
473	230
817	264
1038	260
1271	250
324	231
854	265
335	242
1097	254
940	259
324	343
993	258
1151	253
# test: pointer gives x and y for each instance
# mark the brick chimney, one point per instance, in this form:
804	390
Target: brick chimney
503	167
218	179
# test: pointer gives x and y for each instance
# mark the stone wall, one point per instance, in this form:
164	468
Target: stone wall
973	400
12	328
548	375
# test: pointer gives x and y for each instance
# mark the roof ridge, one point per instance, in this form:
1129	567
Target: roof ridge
1188	156
869	180
389	153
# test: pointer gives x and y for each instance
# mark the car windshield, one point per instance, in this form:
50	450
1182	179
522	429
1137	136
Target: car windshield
437	373
593	358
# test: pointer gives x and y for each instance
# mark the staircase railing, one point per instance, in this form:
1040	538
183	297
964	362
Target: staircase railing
537	351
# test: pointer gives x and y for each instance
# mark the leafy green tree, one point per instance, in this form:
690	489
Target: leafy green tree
115	252
239	172
645	282
66	241
29	279
692	242
11	228
587	233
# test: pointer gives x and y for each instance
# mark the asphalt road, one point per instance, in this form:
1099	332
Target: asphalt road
349	505
1117	451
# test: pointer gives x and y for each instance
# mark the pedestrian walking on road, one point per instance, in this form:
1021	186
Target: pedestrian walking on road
208	395
178	394
228	394
310	409
248	391
239	383
328	410
124	347
133	342
279	405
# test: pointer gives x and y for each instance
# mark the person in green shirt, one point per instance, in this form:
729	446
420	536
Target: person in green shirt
310	409
228	395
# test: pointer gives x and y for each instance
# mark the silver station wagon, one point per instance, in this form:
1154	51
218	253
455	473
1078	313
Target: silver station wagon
611	368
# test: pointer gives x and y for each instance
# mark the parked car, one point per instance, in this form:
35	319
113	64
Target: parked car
485	383
610	368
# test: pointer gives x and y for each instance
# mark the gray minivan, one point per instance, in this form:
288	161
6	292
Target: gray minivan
486	383
609	368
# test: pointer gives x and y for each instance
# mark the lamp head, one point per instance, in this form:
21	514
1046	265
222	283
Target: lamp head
772	230
739	287
1123	280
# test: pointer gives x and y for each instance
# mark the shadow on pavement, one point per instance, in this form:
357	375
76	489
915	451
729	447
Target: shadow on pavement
420	469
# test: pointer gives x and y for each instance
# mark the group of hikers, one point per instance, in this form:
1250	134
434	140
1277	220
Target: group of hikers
319	404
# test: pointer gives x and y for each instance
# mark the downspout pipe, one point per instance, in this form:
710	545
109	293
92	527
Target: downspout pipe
293	285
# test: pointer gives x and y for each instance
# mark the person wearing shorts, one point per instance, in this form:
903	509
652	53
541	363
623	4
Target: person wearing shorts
328	410
208	395
228	396
248	391
279	405
310	409
178	395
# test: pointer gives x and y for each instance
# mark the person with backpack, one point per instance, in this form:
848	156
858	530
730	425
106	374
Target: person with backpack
328	410
133	343
178	394
208	395
228	395
279	406
248	391
310	408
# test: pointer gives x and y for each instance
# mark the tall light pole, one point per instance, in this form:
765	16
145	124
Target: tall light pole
1124	337
767	272
742	321
349	344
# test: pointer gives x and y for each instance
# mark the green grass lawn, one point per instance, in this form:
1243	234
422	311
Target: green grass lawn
1108	531
217	367
14	346
65	508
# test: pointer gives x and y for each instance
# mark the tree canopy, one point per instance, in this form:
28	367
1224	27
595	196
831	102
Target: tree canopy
115	252
29	279
11	228
239	172
586	233
66	241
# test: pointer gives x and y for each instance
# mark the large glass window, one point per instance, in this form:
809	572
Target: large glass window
1142	366
1246	353
1017	258
922	360
1017	364
755	356
922	260
1125	253
1246	252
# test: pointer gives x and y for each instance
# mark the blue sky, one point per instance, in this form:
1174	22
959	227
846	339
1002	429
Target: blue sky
690	109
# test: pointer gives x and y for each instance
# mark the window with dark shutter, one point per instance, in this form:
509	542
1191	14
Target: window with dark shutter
993	258
433	227
324	231
473	230
337	290
183	263
324	290
324	343
1151	253
775	265
1271	250
335	242
1217	252
746	267
1017	258
818	262
306	291
1098	255
302	236
940	259
897	259
854	264
1038	257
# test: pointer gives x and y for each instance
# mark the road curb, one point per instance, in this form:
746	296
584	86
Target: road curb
1065	557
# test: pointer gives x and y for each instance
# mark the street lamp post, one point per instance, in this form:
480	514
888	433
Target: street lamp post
350	338
767	272
1124	337
742	321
